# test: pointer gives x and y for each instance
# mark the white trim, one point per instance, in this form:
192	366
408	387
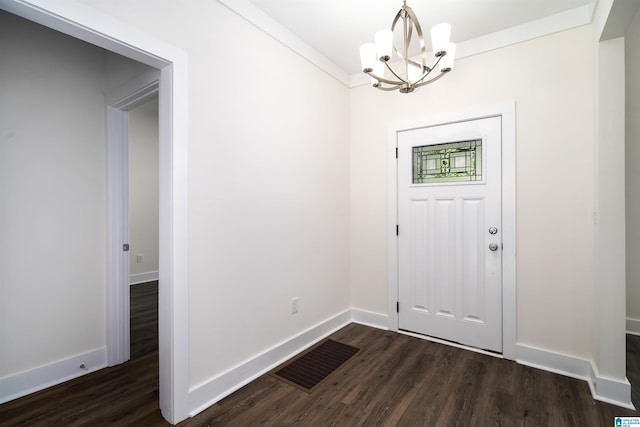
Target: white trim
509	255
633	326
134	92
271	27
557	363
613	18
117	269
562	21
610	22
205	395
507	112
392	218
121	101
37	379
88	24
173	296
369	318
149	276
610	234
609	391
615	392
539	28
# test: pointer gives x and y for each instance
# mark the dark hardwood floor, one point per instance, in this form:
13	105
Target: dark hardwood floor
126	394
144	320
395	380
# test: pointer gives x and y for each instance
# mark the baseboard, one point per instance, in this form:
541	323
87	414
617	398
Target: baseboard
615	392
611	391
557	363
369	318
202	396
137	278
37	379
607	390
633	326
205	395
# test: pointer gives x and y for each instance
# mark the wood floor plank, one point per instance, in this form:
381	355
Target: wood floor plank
395	380
400	386
428	405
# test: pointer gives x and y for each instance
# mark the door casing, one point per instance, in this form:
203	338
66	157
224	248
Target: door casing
118	305
507	113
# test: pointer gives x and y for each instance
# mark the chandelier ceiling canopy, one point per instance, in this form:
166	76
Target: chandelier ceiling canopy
391	68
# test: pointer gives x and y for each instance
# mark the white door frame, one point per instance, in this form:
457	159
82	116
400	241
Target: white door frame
88	24
507	112
119	103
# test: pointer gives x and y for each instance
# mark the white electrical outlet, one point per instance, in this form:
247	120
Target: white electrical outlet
139	259
294	305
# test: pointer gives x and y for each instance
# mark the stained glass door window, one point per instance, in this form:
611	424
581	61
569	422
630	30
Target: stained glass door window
451	162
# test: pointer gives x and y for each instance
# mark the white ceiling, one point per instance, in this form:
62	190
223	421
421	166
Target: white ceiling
337	28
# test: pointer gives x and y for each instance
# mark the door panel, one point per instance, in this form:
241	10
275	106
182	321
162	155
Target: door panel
449	191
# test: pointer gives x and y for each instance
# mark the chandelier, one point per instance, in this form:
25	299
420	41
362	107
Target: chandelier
408	74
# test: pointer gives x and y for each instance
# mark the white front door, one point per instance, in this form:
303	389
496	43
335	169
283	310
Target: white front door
449	239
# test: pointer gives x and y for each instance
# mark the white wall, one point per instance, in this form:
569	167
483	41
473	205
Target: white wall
555	178
52	199
268	184
632	47
143	191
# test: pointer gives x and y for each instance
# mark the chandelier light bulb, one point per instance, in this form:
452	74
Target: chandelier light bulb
440	35
446	63
384	44
367	56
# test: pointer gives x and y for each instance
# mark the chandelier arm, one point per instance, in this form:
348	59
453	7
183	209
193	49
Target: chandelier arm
406	13
428	71
395	20
398	16
389	88
387	81
395	74
406	38
438	77
422	67
393	27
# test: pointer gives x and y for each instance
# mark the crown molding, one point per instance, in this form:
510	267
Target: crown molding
271	27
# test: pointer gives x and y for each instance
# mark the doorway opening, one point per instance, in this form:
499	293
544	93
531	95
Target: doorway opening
89	25
138	93
143	229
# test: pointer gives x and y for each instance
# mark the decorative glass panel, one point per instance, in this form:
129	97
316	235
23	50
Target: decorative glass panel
451	162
